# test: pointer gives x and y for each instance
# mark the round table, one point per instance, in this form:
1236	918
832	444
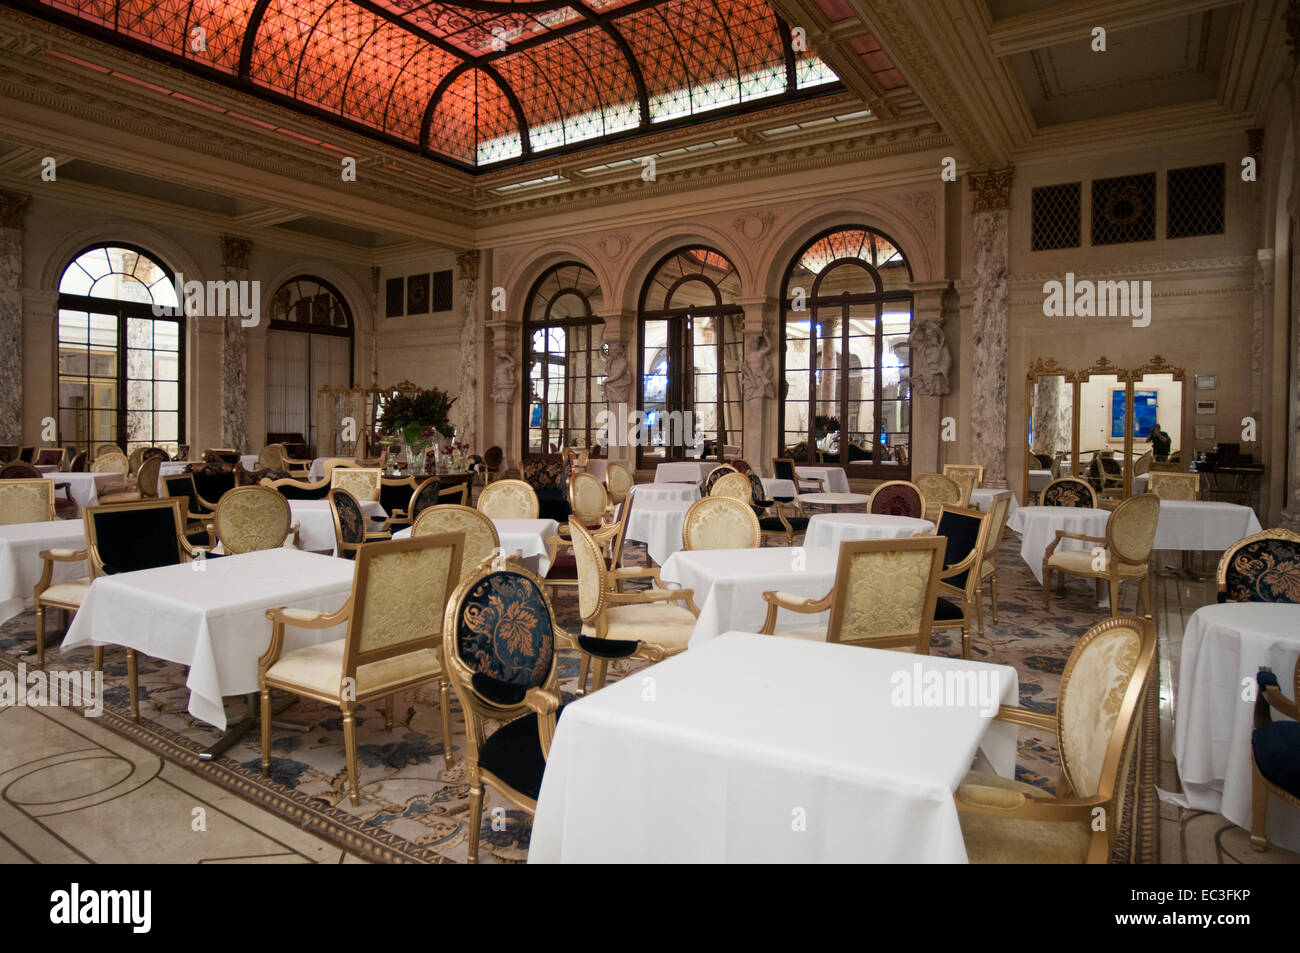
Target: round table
1037	526
834	499
658	524
666	491
1223	647
831	529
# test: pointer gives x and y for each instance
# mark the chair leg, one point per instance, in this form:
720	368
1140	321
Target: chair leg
475	818
266	729
979	608
1146	594
444	703
965	638
1258	810
350	748
133	681
97	658
1047	588
993	595
583	667
40	636
1114	596
388	713
598	681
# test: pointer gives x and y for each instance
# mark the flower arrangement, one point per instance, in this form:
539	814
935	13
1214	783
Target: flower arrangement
456	456
417	415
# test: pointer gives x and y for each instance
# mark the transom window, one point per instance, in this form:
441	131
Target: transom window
846	317
120	366
564	340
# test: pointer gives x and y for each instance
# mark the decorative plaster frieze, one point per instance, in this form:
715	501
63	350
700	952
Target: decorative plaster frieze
990	191
754	225
614	245
467	263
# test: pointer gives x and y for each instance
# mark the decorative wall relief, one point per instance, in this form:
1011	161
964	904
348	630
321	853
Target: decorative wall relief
931	360
754	225
758	377
503	377
613	246
618	374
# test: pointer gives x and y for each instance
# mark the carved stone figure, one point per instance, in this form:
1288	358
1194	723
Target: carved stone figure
618	374
758	378
931	361
503	378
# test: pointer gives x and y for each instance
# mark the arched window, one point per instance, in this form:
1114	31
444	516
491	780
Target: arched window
563	339
692	344
121	346
308	346
847	314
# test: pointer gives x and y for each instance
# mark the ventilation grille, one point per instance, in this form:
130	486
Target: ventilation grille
1056	216
1124	209
1196	201
394	297
441	291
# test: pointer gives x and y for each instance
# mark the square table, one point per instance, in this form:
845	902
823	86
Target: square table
84	488
21	564
526	537
684	471
1203	525
1037	526
828	530
729	585
1223	647
754	749
211	616
666	491
315	522
658	524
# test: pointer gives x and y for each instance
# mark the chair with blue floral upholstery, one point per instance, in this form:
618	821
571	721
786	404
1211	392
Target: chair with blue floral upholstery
1069	491
351	530
499	653
395	620
1275	751
1264	567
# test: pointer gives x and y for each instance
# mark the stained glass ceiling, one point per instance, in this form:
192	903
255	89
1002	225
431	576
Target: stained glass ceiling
478	83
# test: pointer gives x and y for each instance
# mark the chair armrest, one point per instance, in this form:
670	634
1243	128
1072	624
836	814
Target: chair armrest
63	555
1015	715
299	619
656	595
777	600
961	565
635	572
546	703
191	550
1081	537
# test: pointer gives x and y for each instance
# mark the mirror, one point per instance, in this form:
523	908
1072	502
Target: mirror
1103	408
1158	424
1049	405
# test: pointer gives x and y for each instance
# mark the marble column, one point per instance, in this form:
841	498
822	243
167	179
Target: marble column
930	383
759	384
506	389
464	413
234	350
990	205
1053	415
13	207
619	388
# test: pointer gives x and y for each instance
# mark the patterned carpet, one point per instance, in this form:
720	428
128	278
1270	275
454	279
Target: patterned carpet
413	809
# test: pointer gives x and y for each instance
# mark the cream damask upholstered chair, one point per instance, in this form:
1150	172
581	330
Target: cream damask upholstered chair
938	491
146	478
251	518
1122	555
967	476
481	538
26	501
1174	486
330	464
719	522
735	486
508	500
618	481
617	625
714	475
395	619
499	650
1096	721
1069	491
274	456
883	597
999	510
361	482
587	500
115	463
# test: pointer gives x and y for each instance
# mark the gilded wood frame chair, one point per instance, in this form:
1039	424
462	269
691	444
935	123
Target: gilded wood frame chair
959	472
719	522
508	500
481	537
624	625
588	501
275	456
499	652
966	531
897	498
432	493
385	651
1174	486
1122	555
713	476
619	481
1262	567
493	457
198	512
883	596
252	518
1274	750
938	491
783	468
26	501
999	510
49	457
1097	720
362	482
351	530
395	497
1069	491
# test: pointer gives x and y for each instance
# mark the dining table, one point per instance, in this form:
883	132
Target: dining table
21	565
755	749
1203	525
658	524
523	537
84	488
644	492
685	471
828	530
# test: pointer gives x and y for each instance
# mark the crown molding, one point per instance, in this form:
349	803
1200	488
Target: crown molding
1198	268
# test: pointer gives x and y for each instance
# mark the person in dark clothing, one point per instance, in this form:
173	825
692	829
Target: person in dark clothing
1161	443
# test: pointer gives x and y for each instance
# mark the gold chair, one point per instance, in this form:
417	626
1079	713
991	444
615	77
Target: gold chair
714	475
26	501
938	491
883	597
1097	721
897	498
251	518
498	649
330	464
392	644
967	476
1122	555
508	500
1174	486
351	531
274	456
1069	491
115	463
146	478
783	468
587	500
481	538
363	483
959	583
619	625
998	513
1274	751
1263	567
718	522
618	481
735	486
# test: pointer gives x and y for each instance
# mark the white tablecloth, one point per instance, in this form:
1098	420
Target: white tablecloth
833	478
526	537
828	530
684	471
248	460
21	565
1203	524
835	499
1037	526
211	616
982	499
755	749
658	524
316	472
316	522
84	487
729	585
774	488
1223	647
666	491
44	468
